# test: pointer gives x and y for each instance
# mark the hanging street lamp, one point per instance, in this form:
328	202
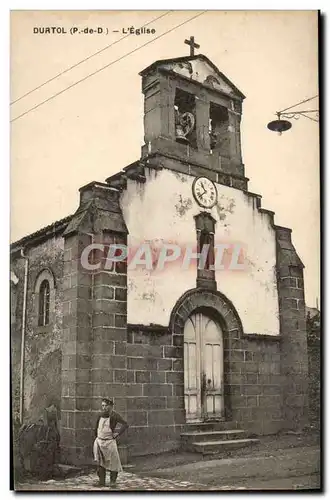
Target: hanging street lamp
282	125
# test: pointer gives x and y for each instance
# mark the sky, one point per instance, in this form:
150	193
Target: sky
94	129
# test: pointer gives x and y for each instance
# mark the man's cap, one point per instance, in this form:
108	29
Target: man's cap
108	401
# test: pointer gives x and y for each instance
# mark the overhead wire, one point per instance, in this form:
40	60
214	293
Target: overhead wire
106	66
302	102
84	60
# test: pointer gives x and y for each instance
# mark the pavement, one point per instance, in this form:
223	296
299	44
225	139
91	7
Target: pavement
284	463
126	481
132	482
281	469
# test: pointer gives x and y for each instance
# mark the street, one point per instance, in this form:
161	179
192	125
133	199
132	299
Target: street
132	482
288	469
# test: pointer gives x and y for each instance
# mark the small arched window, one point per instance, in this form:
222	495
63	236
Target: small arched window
44	303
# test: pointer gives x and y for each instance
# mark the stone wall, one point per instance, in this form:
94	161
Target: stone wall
76	433
253	382
155	401
16	301
155	394
94	323
294	355
42	364
315	367
264	384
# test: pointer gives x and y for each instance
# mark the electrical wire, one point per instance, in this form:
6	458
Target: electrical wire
106	66
86	59
302	102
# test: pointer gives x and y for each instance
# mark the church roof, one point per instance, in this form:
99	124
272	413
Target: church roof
164	65
41	234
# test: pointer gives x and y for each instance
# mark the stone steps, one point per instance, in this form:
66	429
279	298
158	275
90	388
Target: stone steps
215	447
194	436
215	437
210	426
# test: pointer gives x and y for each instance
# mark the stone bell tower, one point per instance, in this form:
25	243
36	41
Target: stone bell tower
192	115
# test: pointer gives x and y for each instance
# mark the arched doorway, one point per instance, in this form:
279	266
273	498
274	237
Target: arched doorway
203	368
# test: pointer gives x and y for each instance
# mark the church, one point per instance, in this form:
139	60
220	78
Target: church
185	351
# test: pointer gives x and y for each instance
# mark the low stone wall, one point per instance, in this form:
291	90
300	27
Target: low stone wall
155	390
253	383
314	369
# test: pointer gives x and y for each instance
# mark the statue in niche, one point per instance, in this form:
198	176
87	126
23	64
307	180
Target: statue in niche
184	125
188	66
211	80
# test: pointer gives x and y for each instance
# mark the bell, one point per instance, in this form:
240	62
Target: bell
180	136
279	126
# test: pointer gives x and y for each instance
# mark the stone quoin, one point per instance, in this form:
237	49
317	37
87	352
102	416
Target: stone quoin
179	348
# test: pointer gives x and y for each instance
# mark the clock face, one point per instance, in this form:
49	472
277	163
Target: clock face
205	192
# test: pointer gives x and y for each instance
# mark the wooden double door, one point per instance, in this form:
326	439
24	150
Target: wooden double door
203	369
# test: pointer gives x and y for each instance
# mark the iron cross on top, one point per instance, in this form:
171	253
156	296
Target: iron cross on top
192	44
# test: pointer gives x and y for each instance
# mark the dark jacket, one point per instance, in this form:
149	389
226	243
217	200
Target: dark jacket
115	419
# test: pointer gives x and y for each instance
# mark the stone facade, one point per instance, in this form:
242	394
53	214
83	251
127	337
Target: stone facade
294	356
315	363
94	323
155	400
114	333
42	353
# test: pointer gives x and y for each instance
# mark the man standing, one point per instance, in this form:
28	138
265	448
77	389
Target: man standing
105	445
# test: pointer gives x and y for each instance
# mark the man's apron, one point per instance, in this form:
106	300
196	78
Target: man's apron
105	447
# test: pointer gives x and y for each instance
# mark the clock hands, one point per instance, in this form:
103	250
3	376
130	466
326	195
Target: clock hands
205	191
201	195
